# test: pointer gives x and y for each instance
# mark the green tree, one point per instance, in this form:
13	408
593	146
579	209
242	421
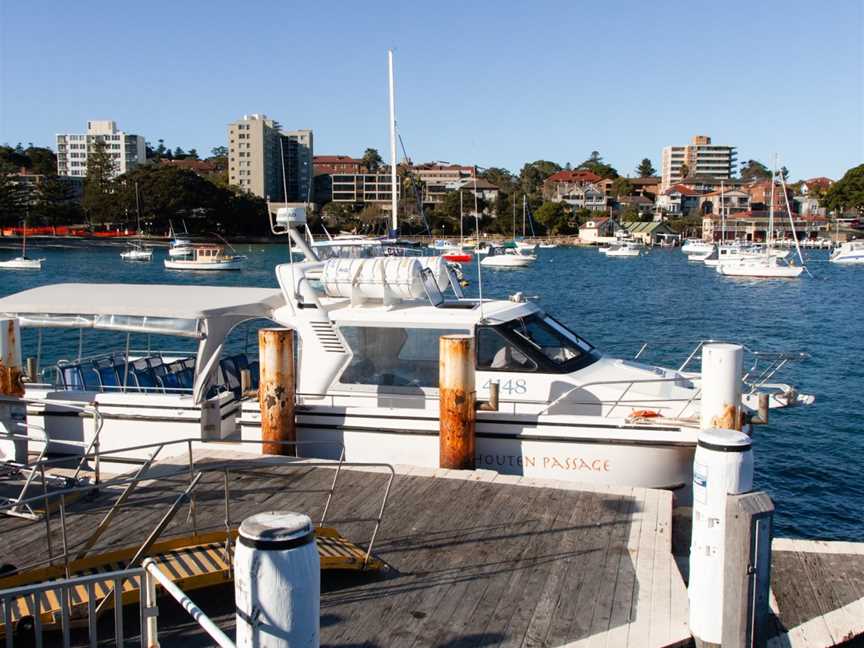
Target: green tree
11	199
533	174
621	187
847	194
192	154
41	161
753	170
219	152
554	217
685	170
372	160
99	202
595	164
629	214
645	168
501	178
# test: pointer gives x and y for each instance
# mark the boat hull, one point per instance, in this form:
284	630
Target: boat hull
185	264
757	271
507	261
21	264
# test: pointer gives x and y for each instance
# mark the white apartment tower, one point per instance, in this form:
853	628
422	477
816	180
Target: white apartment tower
127	150
701	157
258	151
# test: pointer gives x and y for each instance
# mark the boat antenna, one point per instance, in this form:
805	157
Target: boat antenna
285	200
792	224
477	256
394	199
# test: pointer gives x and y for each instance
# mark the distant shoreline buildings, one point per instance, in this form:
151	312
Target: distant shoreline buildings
127	150
698	158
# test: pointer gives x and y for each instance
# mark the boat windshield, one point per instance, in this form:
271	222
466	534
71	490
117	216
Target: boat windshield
541	337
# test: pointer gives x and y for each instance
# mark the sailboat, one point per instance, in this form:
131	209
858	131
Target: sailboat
22	262
179	247
454	254
767	265
508	255
136	250
521	244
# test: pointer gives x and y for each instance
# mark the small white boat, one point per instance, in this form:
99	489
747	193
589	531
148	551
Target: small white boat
499	257
180	248
525	246
624	249
207	257
701	255
136	250
22	262
849	253
137	253
696	247
548	246
765	267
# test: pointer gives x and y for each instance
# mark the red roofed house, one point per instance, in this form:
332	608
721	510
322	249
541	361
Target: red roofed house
336	164
821	183
678	200
599	230
760	196
563	183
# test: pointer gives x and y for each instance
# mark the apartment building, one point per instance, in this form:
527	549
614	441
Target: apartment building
258	152
440	179
358	188
127	150
337	164
701	157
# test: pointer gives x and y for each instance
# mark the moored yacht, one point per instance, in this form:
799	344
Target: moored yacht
206	257
851	252
367	372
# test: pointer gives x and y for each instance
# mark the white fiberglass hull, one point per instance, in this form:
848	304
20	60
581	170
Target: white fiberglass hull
623	253
180	252
758	270
188	264
136	255
699	256
508	261
614	453
21	263
853	258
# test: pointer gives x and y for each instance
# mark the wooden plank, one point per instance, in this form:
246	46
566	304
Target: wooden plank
622	602
660	590
459	615
641	613
798	601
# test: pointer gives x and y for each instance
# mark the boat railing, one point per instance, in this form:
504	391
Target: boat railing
189	475
20	506
148	575
517	406
765	364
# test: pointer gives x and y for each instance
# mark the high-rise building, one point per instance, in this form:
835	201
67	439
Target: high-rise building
127	150
258	153
701	157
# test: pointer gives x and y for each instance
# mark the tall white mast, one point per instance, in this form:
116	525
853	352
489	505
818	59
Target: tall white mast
394	201
770	236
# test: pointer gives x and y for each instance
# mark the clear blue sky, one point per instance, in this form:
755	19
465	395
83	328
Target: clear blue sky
488	83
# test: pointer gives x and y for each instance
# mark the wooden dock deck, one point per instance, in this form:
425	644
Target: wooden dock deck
476	558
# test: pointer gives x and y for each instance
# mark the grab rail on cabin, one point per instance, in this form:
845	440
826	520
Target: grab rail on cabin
190	476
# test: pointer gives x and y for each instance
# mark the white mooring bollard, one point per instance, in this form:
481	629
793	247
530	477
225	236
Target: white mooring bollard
13	413
277	581
721	386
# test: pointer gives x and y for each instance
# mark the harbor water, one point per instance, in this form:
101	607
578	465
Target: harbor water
808	459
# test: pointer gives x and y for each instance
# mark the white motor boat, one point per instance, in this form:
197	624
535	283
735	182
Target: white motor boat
137	252
851	252
525	246
696	247
729	253
180	248
548	246
701	255
501	257
207	257
624	249
367	375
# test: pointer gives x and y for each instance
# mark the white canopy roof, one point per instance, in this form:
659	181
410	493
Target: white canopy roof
144	300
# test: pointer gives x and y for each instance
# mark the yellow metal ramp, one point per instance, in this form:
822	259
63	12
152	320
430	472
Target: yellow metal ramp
191	562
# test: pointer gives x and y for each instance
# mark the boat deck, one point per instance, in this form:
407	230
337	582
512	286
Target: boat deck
475	558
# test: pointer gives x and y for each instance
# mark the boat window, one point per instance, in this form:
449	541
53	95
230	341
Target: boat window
551	338
392	356
494	353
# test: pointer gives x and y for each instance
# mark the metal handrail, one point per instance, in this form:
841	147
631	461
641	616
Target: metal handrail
149	632
194	478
